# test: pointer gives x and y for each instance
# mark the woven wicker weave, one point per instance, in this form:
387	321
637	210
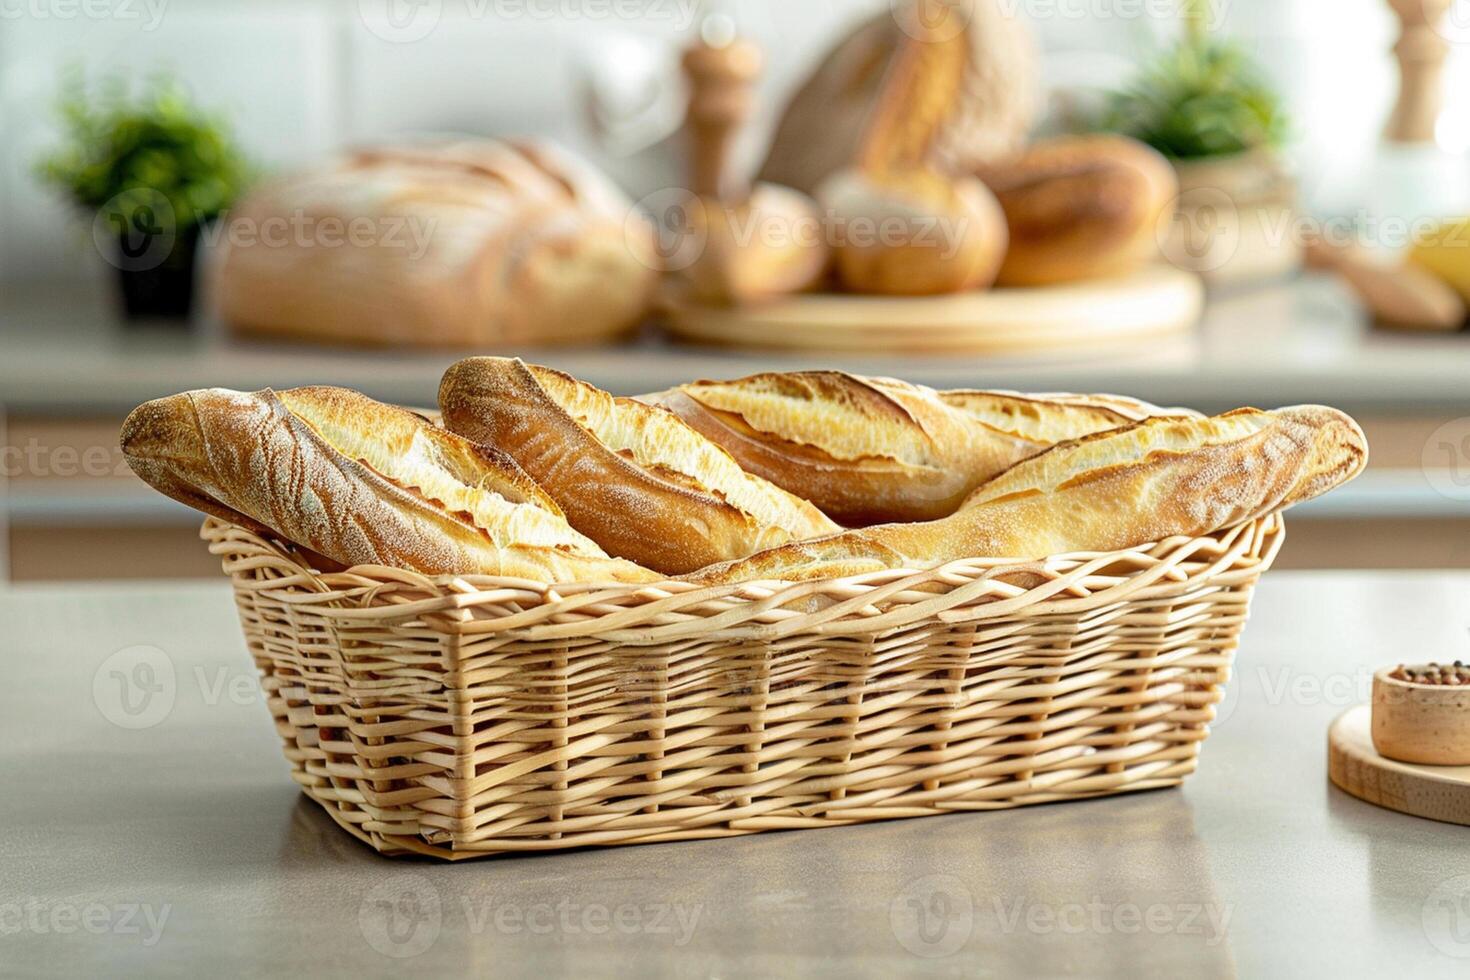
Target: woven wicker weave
466	716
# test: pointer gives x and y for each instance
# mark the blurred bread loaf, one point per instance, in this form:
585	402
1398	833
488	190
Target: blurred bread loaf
1107	491
631	476
1079	207
900	224
359	482
912	234
976	92
451	244
769	244
868	450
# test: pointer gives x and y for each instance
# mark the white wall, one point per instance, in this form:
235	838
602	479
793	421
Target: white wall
302	77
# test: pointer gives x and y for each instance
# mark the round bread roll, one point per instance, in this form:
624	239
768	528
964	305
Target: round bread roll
1080	207
912	232
771	244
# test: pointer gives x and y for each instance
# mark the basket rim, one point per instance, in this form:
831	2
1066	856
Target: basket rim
759	610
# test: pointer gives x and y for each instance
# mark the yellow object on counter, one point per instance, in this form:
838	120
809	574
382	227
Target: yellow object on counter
1445	251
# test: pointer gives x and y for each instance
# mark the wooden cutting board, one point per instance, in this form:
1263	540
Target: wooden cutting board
1154	302
1354	765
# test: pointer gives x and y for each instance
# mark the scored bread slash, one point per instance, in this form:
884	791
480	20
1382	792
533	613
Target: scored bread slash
1107	491
633	477
871	450
359	482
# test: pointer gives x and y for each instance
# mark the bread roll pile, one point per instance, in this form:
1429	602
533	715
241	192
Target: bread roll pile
533	474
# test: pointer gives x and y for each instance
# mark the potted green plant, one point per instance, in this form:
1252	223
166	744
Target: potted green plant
151	169
1203	105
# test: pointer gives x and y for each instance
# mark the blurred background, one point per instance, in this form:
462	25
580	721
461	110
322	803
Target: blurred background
1211	204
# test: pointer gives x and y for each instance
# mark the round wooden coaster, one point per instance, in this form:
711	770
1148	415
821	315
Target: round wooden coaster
1156	301
1354	765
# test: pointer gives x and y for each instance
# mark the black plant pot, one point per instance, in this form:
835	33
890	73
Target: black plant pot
156	277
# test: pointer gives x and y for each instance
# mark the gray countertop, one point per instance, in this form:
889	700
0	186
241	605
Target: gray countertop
1293	342
181	846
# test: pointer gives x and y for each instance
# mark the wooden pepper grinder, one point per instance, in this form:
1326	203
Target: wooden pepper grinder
758	241
1420	51
721	70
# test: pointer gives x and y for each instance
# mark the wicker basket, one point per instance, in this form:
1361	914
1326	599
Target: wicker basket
460	717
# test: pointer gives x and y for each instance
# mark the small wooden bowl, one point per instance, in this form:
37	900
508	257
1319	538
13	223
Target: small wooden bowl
1421	723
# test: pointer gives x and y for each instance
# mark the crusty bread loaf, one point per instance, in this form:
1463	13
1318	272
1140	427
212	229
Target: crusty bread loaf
867	450
1079	207
970	98
1110	490
359	482
452	244
631	476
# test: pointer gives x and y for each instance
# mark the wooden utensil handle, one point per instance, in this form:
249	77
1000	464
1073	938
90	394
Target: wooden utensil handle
721	98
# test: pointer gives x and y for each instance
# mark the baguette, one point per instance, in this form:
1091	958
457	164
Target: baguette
631	476
1107	491
873	450
359	482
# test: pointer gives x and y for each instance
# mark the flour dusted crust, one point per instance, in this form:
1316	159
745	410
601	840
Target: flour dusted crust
359	482
870	450
631	476
457	243
1111	490
614	490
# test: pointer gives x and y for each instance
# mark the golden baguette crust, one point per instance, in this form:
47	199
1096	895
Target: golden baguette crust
631	476
870	450
1106	491
359	482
